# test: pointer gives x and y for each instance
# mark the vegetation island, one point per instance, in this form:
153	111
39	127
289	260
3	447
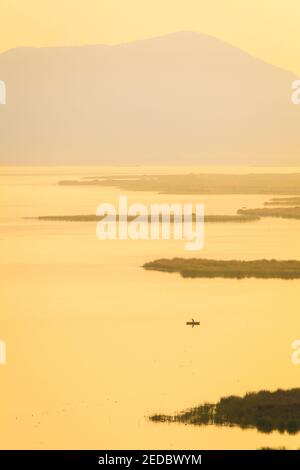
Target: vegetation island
173	219
281	184
208	268
283	212
266	411
283	201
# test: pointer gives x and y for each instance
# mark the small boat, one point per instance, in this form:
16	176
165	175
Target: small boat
192	323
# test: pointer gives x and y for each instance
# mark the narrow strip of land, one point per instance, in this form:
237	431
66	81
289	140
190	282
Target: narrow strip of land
283	201
208	268
282	212
173	219
272	184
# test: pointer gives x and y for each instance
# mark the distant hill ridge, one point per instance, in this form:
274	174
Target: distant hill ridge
184	98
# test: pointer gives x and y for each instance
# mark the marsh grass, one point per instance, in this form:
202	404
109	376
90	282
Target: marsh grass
283	201
281	184
197	267
173	219
283	212
266	411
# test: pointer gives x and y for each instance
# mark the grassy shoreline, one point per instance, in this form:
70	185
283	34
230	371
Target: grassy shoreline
269	184
207	268
283	201
96	218
266	411
281	212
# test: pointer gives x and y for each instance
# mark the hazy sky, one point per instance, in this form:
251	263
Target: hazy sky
267	28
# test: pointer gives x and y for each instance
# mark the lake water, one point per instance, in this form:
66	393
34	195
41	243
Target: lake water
95	344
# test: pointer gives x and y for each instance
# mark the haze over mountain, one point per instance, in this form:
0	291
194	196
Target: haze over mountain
184	98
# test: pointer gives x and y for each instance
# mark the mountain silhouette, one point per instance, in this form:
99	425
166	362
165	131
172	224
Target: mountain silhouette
184	98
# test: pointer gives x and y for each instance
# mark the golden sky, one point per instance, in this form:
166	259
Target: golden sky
269	29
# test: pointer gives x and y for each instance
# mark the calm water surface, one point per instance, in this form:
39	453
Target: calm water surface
96	344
